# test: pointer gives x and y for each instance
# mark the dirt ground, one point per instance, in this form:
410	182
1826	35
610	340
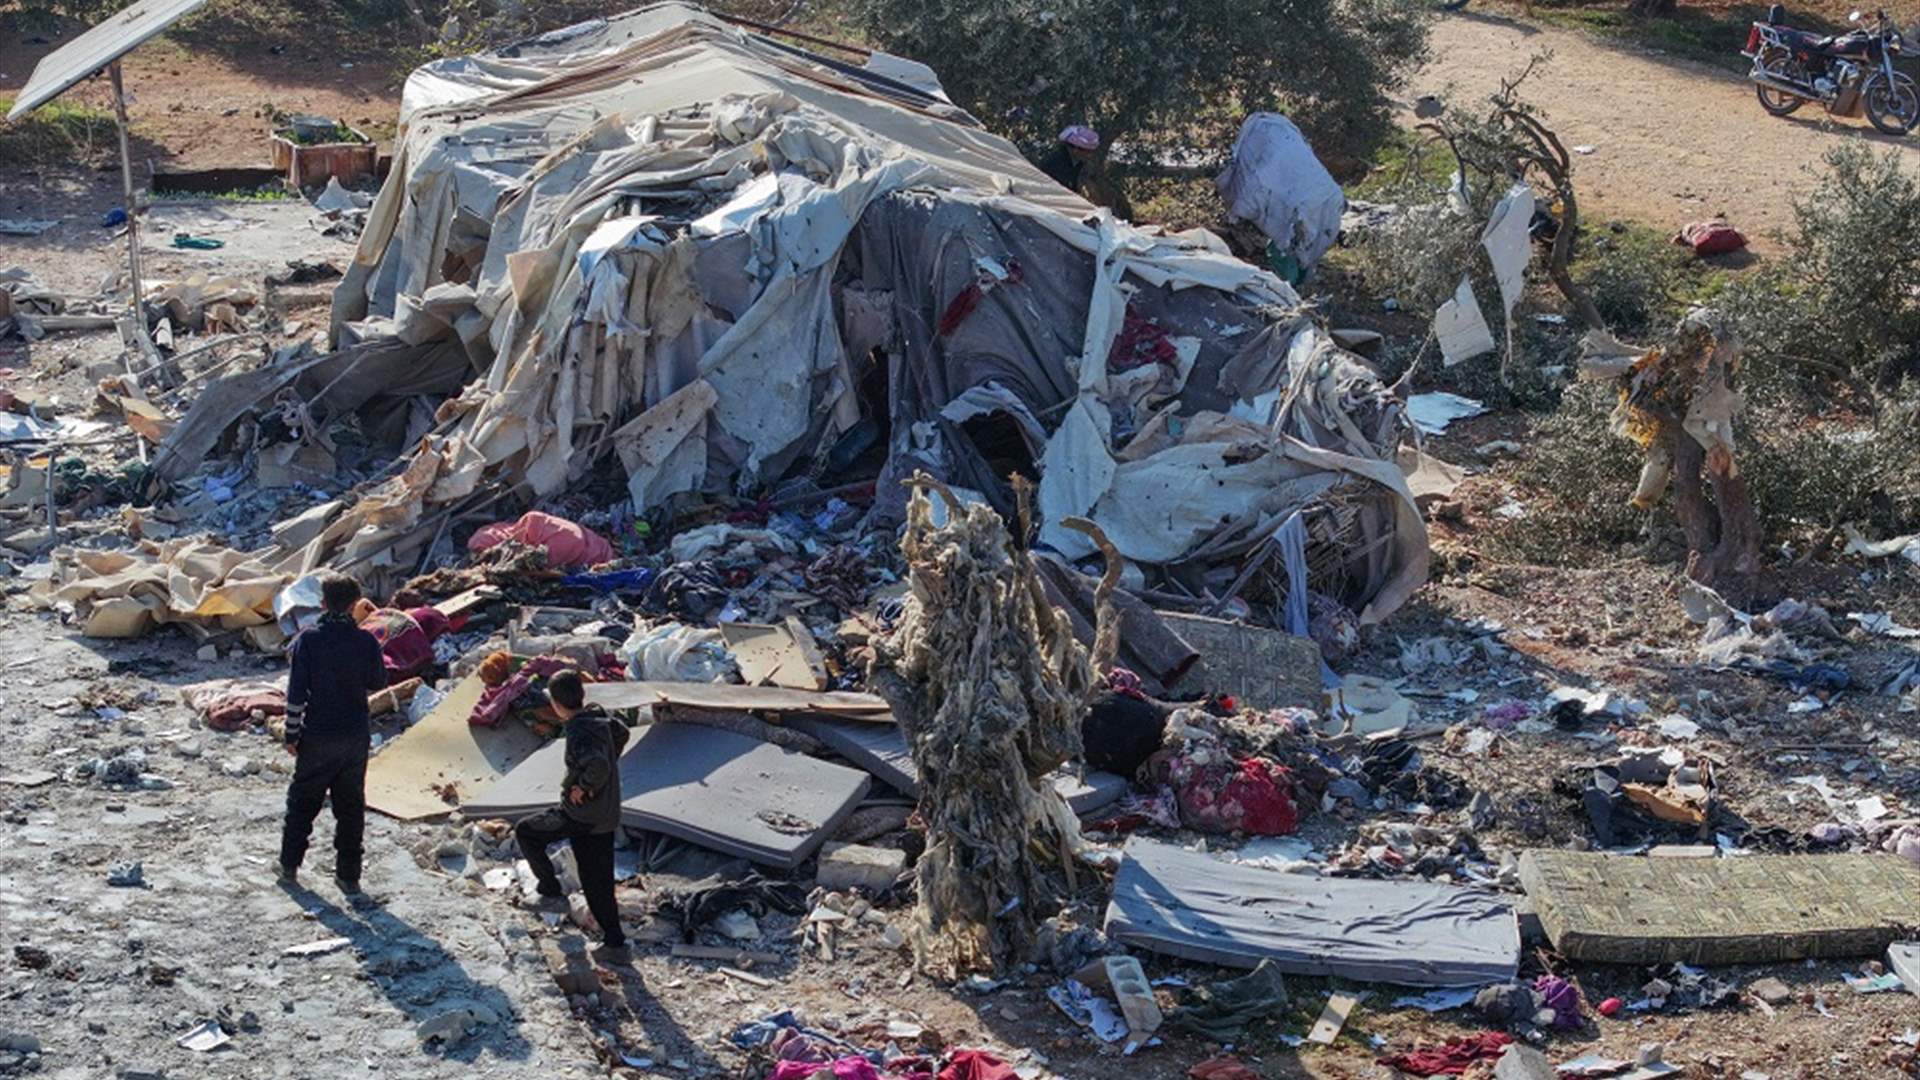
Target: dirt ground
128	970
1673	140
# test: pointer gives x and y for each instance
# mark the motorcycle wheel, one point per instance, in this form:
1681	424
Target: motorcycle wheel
1893	108
1781	65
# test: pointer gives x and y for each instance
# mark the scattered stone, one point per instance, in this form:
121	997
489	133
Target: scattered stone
189	748
1771	990
31	778
240	766
856	866
455	1024
19	1042
127	875
1524	1063
32	957
208	652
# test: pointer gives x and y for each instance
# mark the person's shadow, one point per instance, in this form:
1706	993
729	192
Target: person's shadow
418	976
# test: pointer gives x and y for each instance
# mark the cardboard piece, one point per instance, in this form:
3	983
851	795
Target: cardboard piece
406	778
634	695
1262	667
1760	909
784	655
1191	905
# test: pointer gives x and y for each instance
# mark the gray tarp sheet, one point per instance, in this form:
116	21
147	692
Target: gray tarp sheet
1187	904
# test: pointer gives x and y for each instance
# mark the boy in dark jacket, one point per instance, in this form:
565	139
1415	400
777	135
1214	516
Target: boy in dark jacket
589	810
336	665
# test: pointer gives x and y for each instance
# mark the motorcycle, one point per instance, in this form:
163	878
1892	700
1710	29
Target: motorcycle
1847	73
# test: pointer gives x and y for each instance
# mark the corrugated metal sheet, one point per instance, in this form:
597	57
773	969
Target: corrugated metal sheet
97	48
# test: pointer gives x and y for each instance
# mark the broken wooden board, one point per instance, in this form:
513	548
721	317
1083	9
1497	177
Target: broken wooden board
444	753
635	695
1332	1018
1263	668
1188	904
1759	909
776	655
719	789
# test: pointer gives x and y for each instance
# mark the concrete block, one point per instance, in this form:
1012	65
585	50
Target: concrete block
856	866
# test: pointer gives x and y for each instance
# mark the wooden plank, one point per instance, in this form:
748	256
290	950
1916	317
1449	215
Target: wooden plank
1332	1019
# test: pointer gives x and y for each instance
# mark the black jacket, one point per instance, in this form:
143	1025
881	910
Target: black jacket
336	665
594	742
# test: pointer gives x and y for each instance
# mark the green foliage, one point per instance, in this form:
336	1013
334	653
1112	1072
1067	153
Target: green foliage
1812	475
1583	475
1639	280
1839	312
1171	74
59	131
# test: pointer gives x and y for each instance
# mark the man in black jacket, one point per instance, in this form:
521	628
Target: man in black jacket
589	810
336	665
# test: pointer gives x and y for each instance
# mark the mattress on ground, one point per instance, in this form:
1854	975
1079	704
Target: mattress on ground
1757	909
719	789
445	754
881	749
1182	903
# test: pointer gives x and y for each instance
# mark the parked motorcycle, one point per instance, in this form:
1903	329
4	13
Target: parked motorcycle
1847	73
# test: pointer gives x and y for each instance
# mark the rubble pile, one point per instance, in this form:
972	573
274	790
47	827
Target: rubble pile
993	589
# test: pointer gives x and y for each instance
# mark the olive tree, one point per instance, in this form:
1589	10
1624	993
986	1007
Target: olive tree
1175	74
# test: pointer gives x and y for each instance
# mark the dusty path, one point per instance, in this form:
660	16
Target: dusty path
1673	140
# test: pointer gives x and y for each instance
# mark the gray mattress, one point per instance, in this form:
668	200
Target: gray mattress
1170	900
719	789
881	749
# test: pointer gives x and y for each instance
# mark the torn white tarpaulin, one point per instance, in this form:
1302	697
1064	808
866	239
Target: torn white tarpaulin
814	232
1907	547
1507	244
1460	328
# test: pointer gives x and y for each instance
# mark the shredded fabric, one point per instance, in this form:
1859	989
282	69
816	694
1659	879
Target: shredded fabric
991	686
1452	1057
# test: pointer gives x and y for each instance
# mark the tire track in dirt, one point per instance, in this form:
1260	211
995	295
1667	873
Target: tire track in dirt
1674	140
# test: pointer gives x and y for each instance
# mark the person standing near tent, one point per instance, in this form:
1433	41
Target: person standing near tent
1075	163
335	667
589	812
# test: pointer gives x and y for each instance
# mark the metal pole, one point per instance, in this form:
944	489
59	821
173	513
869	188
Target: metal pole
133	210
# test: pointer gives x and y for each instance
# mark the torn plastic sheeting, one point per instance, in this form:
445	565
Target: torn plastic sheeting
1460	328
664	449
1508	245
1433	413
859	172
1907	547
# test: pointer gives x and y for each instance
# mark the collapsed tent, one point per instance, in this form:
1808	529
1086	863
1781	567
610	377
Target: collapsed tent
730	262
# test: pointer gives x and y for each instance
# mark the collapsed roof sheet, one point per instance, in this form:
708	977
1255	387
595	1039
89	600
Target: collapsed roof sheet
101	45
666	237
